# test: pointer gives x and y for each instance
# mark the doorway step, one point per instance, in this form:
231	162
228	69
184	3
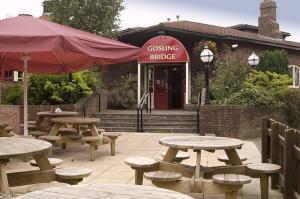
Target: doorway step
157	121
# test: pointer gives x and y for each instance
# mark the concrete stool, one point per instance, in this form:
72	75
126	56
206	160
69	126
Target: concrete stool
141	165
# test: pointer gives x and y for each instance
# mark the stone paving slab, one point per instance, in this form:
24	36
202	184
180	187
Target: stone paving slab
112	169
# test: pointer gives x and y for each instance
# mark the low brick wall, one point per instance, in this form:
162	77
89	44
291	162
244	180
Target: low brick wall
235	121
11	115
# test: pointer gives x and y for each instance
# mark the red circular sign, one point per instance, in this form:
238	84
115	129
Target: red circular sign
163	49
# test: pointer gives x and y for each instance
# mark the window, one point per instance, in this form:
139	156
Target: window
6	74
295	71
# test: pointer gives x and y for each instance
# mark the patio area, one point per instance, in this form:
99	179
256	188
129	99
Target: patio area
112	169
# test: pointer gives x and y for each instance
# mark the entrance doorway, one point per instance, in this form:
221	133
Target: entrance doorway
168	89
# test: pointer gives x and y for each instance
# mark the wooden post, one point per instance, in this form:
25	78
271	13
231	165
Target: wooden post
274	151
288	163
3	177
264	140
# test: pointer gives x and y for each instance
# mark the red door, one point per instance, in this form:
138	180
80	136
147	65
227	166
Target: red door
161	87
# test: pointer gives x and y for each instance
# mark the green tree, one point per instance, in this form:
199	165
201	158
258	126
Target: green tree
274	61
13	95
95	16
230	75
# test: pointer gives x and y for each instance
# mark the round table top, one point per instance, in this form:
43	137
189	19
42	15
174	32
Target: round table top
201	142
57	114
11	147
75	120
105	191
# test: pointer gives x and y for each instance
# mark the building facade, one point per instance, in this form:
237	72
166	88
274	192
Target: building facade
160	70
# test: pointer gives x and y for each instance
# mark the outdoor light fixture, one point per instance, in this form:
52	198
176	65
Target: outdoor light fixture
253	60
206	57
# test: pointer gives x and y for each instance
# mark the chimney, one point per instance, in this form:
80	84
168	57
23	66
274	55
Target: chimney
267	24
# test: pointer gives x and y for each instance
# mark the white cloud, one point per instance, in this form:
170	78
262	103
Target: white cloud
10	8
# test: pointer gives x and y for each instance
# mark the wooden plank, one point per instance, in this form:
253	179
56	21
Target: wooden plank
264	139
274	151
30	177
3	177
288	164
233	156
185	170
171	154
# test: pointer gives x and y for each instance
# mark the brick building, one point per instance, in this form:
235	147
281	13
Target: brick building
171	82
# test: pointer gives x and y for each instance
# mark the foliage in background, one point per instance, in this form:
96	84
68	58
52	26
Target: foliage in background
292	108
96	16
199	47
262	89
274	61
230	74
13	95
123	93
46	89
197	84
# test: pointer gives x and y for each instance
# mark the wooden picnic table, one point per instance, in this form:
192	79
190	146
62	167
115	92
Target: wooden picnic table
77	121
198	143
189	179
42	116
105	191
93	140
22	147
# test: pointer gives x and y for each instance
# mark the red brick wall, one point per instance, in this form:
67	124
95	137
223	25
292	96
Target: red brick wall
234	121
11	115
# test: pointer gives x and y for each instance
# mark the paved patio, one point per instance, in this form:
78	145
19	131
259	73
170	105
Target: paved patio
112	169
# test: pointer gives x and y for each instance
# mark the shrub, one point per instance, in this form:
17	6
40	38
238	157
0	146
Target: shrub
56	89
292	108
262	89
13	95
123	94
198	83
274	61
230	75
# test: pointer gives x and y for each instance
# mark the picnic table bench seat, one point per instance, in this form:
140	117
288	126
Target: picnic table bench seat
72	175
163	176
112	136
141	165
37	134
231	179
67	131
263	171
53	161
225	159
180	156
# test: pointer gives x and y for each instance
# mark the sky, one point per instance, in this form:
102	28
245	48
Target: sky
143	13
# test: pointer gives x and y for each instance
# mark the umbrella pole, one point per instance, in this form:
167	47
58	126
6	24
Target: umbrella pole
25	58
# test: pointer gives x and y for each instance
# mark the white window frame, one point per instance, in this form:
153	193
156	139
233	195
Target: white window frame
296	75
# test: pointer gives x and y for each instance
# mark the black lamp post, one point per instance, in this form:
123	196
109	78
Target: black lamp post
206	57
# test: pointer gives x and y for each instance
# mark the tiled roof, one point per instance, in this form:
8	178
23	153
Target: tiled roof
217	31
